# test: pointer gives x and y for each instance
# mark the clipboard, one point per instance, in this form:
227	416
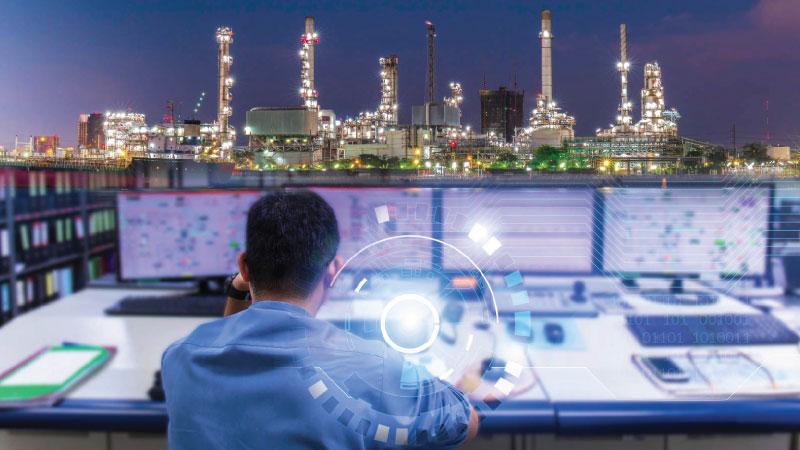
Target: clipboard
46	376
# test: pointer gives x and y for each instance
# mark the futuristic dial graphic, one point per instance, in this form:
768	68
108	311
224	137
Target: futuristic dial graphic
442	318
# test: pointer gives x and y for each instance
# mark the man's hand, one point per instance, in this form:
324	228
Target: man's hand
232	305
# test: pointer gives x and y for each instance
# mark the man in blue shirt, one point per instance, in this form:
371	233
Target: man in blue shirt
270	375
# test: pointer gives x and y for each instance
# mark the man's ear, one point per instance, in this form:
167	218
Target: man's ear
242	260
333	268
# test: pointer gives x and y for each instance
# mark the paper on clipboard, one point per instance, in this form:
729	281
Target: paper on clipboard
48	375
51	368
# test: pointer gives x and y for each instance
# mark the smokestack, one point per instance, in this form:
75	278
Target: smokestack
431	77
546	37
623	59
623	66
225	60
623	42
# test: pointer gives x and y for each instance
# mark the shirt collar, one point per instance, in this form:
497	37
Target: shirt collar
279	306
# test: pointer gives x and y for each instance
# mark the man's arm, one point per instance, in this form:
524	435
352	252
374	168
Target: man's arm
474	424
232	305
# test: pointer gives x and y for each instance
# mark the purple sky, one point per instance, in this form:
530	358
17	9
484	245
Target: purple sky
721	59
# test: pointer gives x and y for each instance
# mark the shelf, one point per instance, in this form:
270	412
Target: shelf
30	269
47	213
100	248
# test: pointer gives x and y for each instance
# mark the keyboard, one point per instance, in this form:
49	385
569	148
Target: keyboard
547	303
212	305
715	330
691	298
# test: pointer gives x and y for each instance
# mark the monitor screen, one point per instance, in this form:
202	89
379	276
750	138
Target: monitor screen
705	232
533	230
182	234
369	215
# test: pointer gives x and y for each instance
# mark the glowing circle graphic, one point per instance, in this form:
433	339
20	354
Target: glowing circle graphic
410	319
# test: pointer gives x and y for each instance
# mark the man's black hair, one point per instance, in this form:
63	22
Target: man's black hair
291	238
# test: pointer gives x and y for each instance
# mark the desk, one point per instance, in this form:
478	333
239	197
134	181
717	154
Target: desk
116	398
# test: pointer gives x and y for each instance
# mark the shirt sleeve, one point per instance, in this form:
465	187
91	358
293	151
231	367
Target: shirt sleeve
439	413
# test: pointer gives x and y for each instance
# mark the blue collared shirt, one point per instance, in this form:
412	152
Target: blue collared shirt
274	377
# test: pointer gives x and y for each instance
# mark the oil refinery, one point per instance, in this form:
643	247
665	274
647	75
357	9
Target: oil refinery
310	132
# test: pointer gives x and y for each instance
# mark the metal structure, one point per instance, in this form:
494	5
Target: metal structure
371	126
389	97
623	126
225	82
456	95
126	134
546	38
431	82
548	124
308	42
655	119
624	120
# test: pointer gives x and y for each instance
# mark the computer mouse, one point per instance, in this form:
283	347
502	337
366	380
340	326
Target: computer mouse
492	369
554	333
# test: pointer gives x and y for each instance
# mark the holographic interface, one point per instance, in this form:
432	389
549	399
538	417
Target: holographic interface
533	230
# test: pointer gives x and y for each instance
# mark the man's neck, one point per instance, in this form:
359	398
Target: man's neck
309	306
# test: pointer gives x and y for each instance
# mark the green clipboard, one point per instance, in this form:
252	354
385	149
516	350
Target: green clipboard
48	375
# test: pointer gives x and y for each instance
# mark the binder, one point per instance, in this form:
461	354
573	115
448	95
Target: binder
5	251
5	301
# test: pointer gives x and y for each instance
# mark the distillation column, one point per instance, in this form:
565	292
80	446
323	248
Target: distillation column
308	41
389	99
225	82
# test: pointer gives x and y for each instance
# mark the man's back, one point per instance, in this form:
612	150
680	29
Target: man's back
273	377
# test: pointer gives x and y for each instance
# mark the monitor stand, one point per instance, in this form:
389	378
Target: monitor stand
676	287
677	295
209	286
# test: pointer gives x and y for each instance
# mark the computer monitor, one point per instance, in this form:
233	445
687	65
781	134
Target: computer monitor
370	215
704	232
532	230
181	235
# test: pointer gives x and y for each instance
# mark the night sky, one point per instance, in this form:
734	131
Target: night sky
721	59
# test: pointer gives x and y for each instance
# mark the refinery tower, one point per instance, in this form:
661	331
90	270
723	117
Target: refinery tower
548	124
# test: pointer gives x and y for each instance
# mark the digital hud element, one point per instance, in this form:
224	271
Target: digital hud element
394	289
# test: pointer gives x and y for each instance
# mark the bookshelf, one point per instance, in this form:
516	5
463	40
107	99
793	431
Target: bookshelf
57	232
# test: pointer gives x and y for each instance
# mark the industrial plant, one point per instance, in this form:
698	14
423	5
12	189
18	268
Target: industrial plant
310	132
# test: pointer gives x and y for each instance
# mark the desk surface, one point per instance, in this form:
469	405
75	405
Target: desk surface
594	388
